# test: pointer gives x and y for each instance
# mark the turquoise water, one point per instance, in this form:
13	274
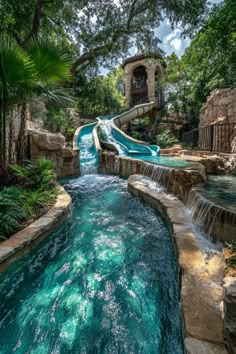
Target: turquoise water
104	282
222	187
88	153
165	160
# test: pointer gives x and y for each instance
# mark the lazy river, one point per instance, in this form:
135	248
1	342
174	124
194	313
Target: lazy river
104	282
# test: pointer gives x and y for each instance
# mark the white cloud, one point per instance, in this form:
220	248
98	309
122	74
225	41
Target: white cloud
176	43
172	35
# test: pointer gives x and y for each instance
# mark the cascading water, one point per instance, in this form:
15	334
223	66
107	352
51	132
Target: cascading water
106	129
203	212
157	173
210	215
88	154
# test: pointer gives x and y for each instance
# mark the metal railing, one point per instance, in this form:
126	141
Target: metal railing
159	100
216	137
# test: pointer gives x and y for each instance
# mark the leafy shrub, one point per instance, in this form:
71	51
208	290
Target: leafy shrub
231	262
11	212
37	176
20	204
166	139
36	201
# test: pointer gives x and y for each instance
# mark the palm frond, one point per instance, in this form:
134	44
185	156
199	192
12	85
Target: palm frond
51	64
16	67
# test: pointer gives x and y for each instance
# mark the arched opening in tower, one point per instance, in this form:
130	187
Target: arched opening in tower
139	87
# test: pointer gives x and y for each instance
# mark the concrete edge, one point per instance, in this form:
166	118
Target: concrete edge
201	283
25	240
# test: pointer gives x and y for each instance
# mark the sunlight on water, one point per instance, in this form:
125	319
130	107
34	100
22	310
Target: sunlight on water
105	282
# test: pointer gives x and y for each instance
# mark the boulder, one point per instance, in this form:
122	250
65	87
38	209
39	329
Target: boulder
230	313
46	140
195	346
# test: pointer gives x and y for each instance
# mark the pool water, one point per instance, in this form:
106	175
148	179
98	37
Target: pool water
165	160
104	282
223	187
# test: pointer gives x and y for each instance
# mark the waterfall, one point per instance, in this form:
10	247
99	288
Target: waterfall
211	216
157	173
106	129
88	155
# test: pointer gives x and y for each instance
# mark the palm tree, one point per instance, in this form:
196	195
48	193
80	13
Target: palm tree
36	71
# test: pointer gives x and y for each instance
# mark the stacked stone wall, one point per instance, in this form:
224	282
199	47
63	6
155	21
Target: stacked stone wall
43	144
175	180
220	111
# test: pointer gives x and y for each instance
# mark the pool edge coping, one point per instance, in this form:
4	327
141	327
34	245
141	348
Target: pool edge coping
26	239
192	272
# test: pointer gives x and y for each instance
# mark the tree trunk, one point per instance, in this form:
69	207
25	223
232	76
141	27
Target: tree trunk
11	139
3	128
21	143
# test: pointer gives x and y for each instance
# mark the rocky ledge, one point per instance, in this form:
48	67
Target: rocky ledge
26	239
201	274
178	181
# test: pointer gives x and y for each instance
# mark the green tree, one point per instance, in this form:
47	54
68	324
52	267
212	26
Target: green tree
101	95
96	29
209	62
33	72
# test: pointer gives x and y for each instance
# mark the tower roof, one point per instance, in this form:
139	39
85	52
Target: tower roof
143	56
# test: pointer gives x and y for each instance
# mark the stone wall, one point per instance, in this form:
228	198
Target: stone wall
51	146
230	312
220	109
175	180
201	291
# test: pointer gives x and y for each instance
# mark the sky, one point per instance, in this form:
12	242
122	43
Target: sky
171	39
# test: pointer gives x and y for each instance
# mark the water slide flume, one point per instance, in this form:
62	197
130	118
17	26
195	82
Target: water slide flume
124	144
86	138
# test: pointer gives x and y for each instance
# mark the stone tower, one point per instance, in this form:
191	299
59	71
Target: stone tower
143	80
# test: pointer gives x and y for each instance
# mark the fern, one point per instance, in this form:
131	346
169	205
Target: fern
36	176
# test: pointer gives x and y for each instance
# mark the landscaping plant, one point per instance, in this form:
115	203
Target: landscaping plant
35	194
166	139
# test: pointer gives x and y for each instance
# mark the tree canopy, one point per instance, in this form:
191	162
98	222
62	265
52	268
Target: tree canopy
101	95
96	29
209	62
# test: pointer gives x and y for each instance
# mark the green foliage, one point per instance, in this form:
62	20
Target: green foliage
101	95
166	139
231	262
38	200
20	204
40	176
60	121
141	123
209	63
11	212
140	129
34	71
95	29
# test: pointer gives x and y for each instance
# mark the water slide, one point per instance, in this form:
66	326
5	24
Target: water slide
86	138
124	144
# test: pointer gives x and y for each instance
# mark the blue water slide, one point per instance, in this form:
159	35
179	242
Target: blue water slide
88	152
124	144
